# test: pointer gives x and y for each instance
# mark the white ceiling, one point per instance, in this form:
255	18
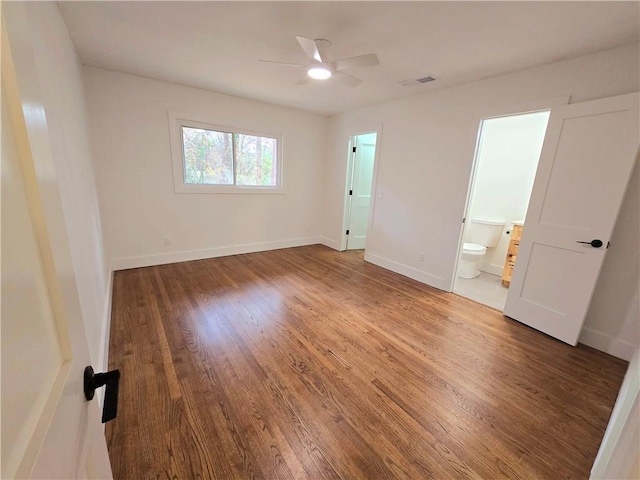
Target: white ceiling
217	45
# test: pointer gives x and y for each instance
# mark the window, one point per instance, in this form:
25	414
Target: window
215	159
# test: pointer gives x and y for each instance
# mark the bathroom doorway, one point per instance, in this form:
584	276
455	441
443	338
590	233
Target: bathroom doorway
360	167
507	154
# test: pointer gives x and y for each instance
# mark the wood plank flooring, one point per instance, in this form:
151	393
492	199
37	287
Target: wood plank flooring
307	363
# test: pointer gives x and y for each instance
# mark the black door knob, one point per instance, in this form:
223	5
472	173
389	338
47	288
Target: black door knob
96	380
594	243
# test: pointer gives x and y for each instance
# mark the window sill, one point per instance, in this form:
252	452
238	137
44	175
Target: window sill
232	190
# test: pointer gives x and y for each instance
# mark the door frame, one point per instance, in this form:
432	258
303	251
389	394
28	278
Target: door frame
346	205
474	143
618	450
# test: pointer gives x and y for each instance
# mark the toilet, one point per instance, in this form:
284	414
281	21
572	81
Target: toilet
480	235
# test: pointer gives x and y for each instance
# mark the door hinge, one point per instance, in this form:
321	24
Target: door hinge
608	244
347	232
463	219
354	149
350	192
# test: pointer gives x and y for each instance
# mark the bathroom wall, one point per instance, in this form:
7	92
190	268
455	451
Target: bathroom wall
508	154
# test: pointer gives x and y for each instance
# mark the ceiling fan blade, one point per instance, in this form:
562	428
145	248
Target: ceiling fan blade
323	49
347	79
368	60
310	48
287	64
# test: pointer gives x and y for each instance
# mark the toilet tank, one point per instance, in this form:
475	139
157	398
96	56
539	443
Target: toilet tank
485	232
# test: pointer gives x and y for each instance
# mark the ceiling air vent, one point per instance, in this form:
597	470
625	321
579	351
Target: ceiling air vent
417	81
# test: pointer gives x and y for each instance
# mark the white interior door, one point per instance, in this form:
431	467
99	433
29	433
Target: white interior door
586	161
48	428
360	192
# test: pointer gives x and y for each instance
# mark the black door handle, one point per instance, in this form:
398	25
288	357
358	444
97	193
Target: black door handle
594	243
96	380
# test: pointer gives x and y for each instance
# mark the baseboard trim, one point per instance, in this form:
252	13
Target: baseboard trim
422	277
186	256
606	343
491	268
327	242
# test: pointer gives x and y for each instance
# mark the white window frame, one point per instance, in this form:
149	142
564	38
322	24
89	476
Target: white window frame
178	120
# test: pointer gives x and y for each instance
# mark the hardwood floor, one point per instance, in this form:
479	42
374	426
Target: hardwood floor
310	363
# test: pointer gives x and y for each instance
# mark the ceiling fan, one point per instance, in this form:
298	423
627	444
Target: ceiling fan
321	68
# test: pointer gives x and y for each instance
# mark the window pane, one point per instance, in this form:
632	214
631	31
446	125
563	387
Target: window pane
256	161
208	156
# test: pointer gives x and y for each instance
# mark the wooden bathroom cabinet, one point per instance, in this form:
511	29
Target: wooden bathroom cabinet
512	253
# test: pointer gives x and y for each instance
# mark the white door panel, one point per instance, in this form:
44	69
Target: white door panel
574	195
32	354
48	429
585	165
362	179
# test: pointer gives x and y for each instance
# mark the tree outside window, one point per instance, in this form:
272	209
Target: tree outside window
214	157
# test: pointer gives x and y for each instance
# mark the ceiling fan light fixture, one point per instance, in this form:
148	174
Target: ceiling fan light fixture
319	72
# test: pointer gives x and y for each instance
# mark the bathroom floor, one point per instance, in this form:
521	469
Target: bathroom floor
485	288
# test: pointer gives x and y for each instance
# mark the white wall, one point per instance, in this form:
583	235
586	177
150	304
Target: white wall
426	154
507	159
62	91
612	323
130	131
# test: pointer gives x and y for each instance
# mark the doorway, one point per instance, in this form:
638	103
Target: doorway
507	154
362	153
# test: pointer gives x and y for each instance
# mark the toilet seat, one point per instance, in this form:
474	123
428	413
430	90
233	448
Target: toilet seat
473	249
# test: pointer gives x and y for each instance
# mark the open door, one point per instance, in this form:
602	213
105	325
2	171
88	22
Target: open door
49	430
360	186
587	158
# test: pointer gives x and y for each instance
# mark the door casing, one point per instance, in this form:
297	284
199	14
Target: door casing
348	180
474	143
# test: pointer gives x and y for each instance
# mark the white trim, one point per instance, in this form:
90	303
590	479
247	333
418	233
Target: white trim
186	256
327	242
619	448
103	366
491	268
523	108
374	183
422	277
178	120
606	343
105	335
346	209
